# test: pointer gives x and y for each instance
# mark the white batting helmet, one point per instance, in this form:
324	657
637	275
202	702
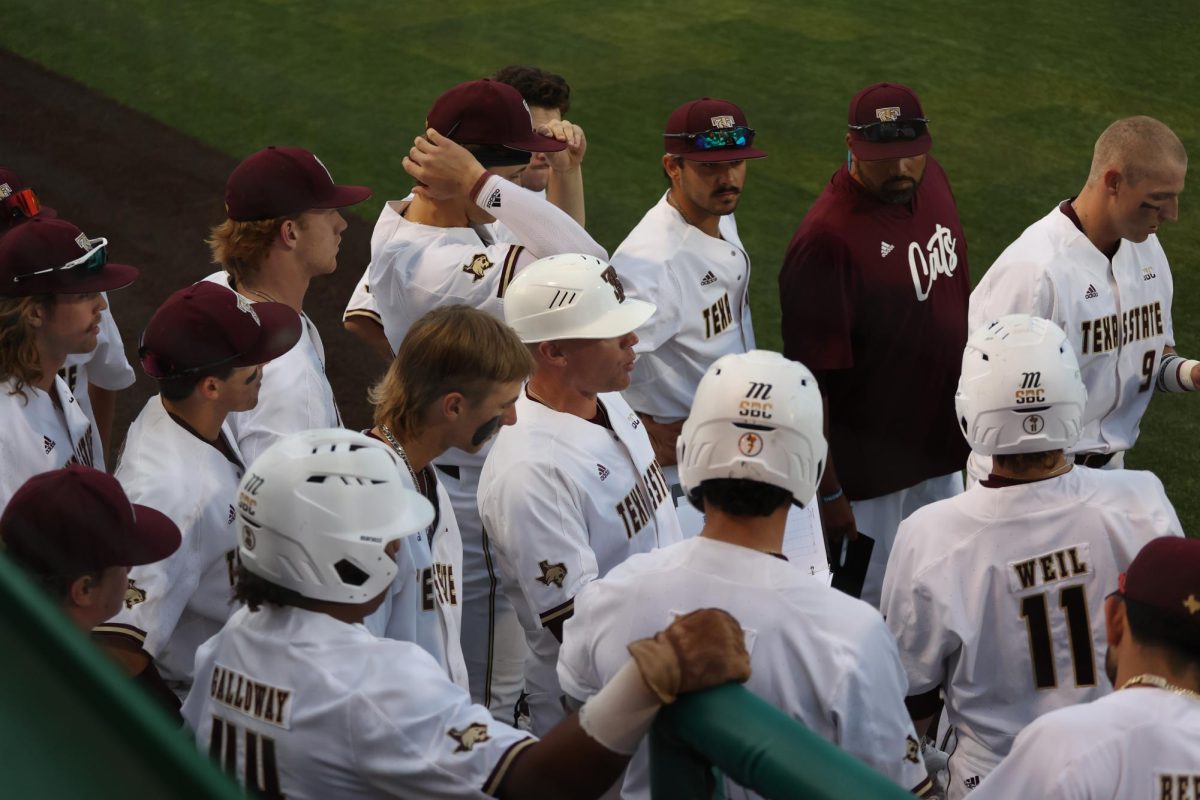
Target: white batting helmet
317	509
571	296
1020	390
756	416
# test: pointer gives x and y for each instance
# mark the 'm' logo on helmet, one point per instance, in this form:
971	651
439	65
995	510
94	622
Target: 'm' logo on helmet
609	276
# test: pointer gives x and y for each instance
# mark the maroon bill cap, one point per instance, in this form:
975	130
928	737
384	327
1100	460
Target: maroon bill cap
281	181
709	129
52	256
79	519
1165	575
488	112
886	121
19	202
207	326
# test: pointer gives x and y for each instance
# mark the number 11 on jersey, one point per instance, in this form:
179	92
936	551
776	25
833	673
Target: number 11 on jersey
1036	613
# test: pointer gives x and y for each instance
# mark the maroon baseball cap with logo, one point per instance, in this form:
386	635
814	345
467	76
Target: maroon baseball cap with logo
19	202
709	129
281	181
487	112
886	121
79	520
207	326
1165	575
52	256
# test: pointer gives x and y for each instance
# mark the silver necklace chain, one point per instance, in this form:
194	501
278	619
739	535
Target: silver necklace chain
391	440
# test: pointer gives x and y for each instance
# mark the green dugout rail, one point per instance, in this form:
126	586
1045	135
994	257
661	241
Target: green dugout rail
73	725
757	746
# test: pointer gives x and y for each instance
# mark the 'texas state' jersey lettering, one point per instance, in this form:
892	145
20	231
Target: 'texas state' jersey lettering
637	508
1117	330
717	317
437	582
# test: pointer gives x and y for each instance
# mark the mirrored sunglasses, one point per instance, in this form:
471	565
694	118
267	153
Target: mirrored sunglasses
22	202
89	263
904	130
718	138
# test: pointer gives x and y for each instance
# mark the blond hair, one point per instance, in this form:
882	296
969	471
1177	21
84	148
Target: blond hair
1135	147
241	247
451	349
19	359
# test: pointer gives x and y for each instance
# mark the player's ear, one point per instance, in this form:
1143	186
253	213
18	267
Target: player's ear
82	590
551	352
453	404
209	387
1115	620
672	166
1113	180
38	313
287	232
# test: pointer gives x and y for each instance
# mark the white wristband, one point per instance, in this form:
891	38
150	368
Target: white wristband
1175	374
619	715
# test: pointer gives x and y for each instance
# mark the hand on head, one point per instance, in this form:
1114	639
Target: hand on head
570	133
443	168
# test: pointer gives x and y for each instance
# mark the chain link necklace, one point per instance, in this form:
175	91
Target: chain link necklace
395	444
1146	679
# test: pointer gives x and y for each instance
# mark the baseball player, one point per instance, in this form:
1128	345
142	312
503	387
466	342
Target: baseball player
873	295
548	97
435	254
297	699
52	279
1141	741
284	230
995	595
453	383
573	488
822	657
93	378
1095	267
685	256
205	346
76	534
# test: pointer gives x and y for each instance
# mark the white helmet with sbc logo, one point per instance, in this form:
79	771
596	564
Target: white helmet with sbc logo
757	416
317	509
571	296
1020	390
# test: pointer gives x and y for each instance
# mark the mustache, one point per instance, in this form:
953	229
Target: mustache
723	189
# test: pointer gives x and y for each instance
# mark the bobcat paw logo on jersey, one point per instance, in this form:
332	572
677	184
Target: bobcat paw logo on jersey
48	444
469	736
912	750
479	265
552	573
133	595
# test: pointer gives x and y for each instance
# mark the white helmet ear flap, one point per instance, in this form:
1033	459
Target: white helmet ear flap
317	510
756	416
1020	390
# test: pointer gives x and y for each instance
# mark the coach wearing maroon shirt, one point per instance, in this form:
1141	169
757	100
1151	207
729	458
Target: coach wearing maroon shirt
874	292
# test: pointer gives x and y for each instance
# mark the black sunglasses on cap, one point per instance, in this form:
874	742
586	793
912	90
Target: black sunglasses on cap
903	130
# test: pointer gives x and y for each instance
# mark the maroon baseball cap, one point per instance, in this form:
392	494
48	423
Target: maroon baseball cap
281	181
52	256
886	121
19	202
1165	575
488	112
710	130
79	518
207	325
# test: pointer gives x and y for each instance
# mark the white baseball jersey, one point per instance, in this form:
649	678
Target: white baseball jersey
301	705
565	500
40	432
105	367
294	396
821	656
1116	314
1135	743
996	596
701	286
420	267
422	605
174	605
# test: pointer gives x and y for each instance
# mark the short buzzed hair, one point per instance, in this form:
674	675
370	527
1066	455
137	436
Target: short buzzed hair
1135	146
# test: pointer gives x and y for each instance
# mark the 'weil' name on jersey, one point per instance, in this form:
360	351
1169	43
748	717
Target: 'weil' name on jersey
638	506
1115	330
1058	565
254	699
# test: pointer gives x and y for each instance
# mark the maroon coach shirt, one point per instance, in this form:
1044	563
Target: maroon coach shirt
874	300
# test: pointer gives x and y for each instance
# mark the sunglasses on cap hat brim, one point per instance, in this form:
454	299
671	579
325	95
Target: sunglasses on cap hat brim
90	263
22	203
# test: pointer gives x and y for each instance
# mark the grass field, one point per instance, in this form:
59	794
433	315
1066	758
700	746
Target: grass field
1017	93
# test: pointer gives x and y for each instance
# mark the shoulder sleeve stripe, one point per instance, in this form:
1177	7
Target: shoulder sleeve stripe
362	312
510	266
924	788
558	612
119	629
492	785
